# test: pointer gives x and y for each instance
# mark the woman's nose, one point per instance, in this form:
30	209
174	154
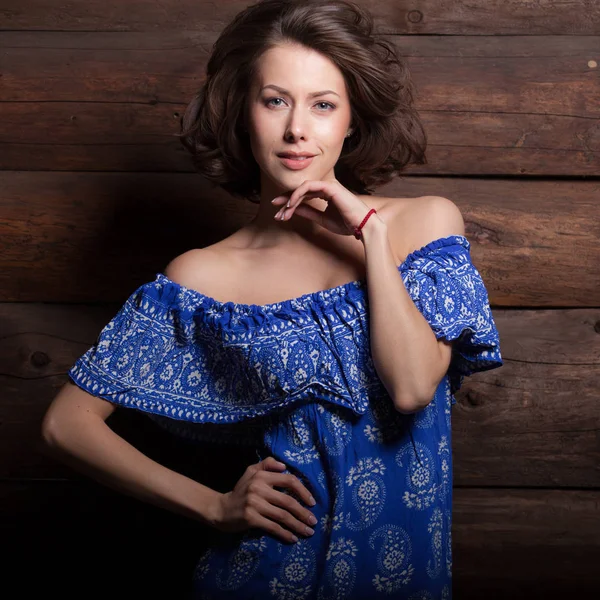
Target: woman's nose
296	127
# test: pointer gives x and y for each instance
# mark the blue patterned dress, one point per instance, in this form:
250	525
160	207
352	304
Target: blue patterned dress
295	380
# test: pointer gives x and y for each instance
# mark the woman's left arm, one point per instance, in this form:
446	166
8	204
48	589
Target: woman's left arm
409	360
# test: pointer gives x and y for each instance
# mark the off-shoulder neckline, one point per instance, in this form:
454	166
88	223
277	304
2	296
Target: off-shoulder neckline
310	297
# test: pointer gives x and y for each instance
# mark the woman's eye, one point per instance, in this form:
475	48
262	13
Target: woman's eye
327	104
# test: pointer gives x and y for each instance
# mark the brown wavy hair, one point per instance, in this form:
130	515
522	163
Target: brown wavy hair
388	133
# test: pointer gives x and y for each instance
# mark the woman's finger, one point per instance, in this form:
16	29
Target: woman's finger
284	517
274	529
289	503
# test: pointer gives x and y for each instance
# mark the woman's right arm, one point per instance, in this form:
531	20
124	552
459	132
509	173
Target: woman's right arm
75	431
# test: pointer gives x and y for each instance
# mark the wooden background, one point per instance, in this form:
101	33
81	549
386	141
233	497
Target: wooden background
97	196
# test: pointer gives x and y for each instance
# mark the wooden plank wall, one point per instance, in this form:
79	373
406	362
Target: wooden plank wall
97	196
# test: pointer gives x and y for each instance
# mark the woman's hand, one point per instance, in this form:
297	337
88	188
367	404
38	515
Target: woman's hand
254	503
344	210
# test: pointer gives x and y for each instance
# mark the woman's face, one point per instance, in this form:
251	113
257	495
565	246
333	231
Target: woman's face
292	119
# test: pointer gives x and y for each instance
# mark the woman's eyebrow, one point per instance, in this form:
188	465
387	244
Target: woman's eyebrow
312	95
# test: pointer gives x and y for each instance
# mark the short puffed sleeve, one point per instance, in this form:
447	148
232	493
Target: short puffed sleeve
160	355
143	357
450	293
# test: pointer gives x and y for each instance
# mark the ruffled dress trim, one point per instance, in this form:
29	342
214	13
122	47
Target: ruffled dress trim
174	352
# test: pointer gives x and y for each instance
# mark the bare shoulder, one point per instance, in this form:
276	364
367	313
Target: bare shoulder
415	222
196	267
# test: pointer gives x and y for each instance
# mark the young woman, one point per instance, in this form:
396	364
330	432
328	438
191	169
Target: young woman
330	333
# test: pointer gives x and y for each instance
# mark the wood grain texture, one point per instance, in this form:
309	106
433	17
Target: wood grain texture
94	237
472	17
523	105
525	543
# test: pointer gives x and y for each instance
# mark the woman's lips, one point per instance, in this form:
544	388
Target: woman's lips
296	164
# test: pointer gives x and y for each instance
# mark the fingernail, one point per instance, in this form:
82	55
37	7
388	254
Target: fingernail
274	200
312	501
294	538
309	531
288	202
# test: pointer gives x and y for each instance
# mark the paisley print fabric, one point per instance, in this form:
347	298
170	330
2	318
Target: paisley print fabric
295	380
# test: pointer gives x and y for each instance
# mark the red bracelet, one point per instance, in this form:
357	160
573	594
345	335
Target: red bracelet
357	230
